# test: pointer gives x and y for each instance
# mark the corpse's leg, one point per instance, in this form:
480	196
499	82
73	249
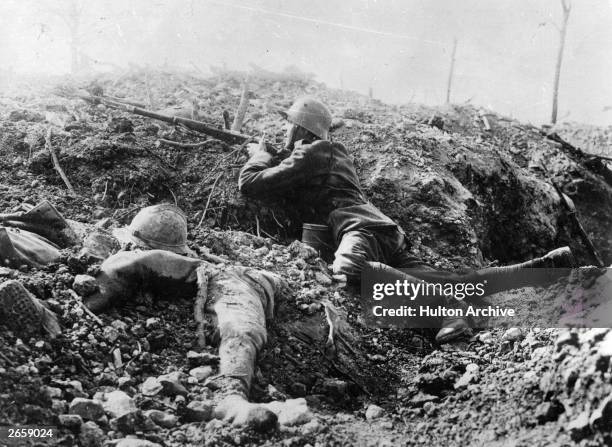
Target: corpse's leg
241	299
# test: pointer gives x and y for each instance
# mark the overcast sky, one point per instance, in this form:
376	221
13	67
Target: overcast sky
401	48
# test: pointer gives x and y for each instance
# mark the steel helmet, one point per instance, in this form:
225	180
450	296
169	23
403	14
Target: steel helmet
159	227
311	114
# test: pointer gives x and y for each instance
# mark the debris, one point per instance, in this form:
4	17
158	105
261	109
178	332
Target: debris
201	358
183	145
84	285
162	418
151	387
512	334
71	421
201	373
91	435
291	411
133	442
86	408
117	403
578	427
198	411
374	412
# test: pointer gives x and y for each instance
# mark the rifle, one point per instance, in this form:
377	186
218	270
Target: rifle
228	136
571	210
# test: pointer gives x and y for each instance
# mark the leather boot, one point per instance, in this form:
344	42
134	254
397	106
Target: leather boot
454	327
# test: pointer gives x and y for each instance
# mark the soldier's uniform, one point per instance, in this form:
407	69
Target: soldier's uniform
321	175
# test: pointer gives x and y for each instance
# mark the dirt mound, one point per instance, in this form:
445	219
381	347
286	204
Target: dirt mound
466	184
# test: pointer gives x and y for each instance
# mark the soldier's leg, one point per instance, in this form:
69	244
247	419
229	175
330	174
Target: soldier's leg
356	248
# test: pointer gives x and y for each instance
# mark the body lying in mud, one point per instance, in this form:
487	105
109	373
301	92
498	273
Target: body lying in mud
155	257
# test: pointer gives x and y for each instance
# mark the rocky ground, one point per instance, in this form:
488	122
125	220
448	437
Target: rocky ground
465	183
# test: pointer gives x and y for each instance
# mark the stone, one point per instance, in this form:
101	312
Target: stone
602	416
84	285
132	423
52	392
86	408
302	250
117	403
323	279
120	325
311	428
71	421
605	346
162	418
172	385
153	323
421	399
110	334
566	338
91	435
548	411
151	387
134	442
201	373
335	387
290	412
593	335
578	427
374	412
512	334
198	411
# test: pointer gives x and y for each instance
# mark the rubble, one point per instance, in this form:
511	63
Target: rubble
465	196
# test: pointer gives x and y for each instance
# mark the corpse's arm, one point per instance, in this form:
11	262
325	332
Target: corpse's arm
260	179
125	273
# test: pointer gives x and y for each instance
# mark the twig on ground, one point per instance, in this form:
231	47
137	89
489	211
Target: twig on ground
208	201
184	145
257	222
85	308
173	196
56	164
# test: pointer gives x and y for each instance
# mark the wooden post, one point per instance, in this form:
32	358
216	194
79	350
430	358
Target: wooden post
242	107
450	72
562	32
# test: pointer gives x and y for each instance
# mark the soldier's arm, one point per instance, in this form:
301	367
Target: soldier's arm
126	273
259	178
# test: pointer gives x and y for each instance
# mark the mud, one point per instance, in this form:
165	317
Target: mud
467	197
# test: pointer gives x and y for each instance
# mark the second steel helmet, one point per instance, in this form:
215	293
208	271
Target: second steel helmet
159	227
311	114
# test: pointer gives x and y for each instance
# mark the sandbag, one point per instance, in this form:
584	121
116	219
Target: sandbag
19	247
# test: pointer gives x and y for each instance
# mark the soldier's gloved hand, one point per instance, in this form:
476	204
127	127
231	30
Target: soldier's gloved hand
254	149
126	273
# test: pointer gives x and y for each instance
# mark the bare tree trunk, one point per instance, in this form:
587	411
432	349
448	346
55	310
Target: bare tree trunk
450	71
562	32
